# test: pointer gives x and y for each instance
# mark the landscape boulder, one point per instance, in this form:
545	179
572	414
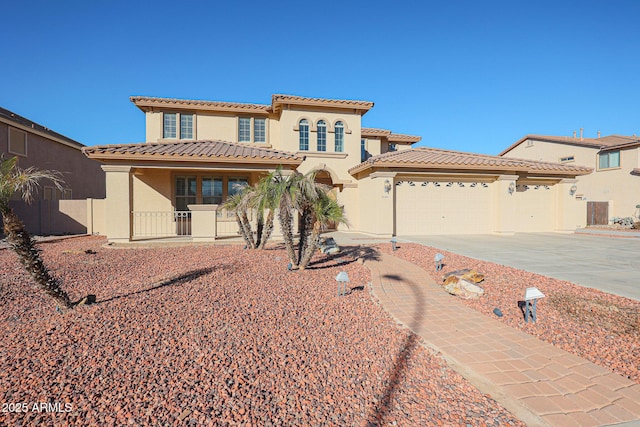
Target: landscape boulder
463	283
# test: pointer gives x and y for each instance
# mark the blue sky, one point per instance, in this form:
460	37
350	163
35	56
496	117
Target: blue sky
465	75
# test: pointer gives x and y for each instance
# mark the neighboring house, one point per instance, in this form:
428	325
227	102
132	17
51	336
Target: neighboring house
197	153
613	189
37	146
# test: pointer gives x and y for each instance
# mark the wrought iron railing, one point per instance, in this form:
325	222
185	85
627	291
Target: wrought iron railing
161	224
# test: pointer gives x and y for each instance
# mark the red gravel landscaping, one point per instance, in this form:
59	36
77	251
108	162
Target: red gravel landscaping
600	327
215	335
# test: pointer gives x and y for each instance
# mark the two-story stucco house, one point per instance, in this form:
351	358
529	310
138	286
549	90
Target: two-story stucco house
613	189
197	153
37	146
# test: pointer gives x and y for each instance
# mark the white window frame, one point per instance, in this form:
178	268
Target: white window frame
303	138
321	145
244	129
178	126
264	130
165	134
189	126
339	137
17	153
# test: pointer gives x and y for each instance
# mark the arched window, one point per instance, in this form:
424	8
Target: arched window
339	128
304	135
322	135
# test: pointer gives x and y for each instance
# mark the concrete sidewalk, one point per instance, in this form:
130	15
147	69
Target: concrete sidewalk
539	383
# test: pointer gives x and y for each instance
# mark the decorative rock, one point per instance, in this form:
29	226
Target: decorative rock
497	312
466	274
463	288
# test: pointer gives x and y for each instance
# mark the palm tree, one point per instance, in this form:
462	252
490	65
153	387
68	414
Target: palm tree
26	181
237	204
266	199
325	211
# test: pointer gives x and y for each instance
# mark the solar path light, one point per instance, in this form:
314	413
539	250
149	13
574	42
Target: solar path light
438	260
393	243
342	278
531	297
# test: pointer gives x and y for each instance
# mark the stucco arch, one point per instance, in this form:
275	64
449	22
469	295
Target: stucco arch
332	127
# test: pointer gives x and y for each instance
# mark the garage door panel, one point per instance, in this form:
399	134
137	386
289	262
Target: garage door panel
535	207
427	207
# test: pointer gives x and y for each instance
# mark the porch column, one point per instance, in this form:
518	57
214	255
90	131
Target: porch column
203	222
118	202
505	204
571	213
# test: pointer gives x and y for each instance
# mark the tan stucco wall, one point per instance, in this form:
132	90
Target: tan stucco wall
375	214
617	186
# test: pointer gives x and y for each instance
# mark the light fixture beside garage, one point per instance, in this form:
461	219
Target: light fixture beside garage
387	186
573	190
512	187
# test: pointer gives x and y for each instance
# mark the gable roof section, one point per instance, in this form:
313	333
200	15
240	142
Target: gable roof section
192	151
420	159
23	123
279	100
147	103
609	142
391	137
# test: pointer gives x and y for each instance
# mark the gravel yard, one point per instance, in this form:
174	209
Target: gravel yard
597	326
214	335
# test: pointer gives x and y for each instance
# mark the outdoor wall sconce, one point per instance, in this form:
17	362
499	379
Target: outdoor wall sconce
512	187
387	186
573	190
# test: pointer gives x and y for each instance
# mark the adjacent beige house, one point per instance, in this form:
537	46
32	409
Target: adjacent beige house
612	189
53	211
197	153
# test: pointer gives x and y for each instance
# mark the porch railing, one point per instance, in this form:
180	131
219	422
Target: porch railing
161	224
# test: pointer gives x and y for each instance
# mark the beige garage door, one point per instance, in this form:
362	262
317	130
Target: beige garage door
535	208
428	207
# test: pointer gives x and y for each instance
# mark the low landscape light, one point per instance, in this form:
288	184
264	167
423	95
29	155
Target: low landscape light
342	278
394	241
531	297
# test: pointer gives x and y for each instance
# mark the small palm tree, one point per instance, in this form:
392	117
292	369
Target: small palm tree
237	204
325	211
25	182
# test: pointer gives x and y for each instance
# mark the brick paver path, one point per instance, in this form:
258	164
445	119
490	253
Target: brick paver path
539	383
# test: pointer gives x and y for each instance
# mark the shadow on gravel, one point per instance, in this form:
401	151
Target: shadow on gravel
183	278
380	410
347	255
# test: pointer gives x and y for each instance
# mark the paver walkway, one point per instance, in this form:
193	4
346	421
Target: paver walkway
539	383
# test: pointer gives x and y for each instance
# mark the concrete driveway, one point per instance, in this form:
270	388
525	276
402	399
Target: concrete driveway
607	263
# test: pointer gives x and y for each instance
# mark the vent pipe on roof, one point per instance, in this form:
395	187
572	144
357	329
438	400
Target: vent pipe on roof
574	134
598	134
581	130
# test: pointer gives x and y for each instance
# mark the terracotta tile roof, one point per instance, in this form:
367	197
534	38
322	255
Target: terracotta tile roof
372	132
26	123
278	100
605	142
145	103
391	137
422	158
192	151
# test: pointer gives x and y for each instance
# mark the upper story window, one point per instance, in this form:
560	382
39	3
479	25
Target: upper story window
260	130
247	124
17	142
304	135
322	135
169	126
392	147
186	126
609	160
363	150
244	129
566	159
339	133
